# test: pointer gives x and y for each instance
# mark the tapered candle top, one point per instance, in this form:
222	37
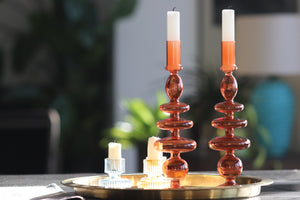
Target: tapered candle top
228	25
173	25
114	150
153	154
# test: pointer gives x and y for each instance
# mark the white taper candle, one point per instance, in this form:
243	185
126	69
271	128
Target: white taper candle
114	150
173	25
228	25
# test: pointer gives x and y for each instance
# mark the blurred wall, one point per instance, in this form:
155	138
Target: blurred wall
139	52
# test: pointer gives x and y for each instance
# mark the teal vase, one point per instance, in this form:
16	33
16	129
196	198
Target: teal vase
274	103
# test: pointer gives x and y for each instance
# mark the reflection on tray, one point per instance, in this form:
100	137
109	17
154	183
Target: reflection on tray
195	186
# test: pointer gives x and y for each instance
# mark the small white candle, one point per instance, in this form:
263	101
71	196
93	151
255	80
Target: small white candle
173	26
153	154
228	25
114	150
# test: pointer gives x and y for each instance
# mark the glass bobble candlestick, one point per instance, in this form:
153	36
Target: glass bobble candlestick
175	167
229	166
153	166
114	166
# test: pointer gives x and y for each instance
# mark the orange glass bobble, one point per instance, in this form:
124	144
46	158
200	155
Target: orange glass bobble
229	166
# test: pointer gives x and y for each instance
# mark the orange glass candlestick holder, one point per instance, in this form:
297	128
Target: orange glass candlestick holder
229	166
175	167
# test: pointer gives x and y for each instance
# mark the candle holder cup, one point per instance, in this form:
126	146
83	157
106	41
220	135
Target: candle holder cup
154	179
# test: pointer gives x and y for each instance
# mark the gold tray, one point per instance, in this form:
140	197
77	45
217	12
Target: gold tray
195	186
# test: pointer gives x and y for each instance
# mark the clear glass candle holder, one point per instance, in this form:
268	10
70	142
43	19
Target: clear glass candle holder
114	168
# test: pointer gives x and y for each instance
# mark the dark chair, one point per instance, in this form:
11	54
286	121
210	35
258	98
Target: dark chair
29	141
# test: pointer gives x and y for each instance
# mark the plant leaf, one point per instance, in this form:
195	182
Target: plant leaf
141	111
264	134
260	158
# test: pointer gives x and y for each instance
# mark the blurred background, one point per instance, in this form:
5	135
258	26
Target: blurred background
77	74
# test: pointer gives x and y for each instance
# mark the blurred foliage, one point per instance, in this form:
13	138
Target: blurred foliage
139	123
71	43
256	152
206	95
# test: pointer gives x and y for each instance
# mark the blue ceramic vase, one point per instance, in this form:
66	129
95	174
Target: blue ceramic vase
274	104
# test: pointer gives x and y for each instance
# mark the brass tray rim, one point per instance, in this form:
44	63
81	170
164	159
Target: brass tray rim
262	182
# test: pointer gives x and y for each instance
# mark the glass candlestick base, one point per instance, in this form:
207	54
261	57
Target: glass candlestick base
154	179
114	168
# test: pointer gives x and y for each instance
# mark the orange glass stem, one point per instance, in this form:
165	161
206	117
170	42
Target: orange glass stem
175	167
229	166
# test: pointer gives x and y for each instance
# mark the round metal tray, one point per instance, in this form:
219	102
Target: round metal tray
194	186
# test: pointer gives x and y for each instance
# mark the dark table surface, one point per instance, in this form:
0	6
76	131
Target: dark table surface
286	182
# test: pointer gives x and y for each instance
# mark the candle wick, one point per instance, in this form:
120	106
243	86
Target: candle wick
174	8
